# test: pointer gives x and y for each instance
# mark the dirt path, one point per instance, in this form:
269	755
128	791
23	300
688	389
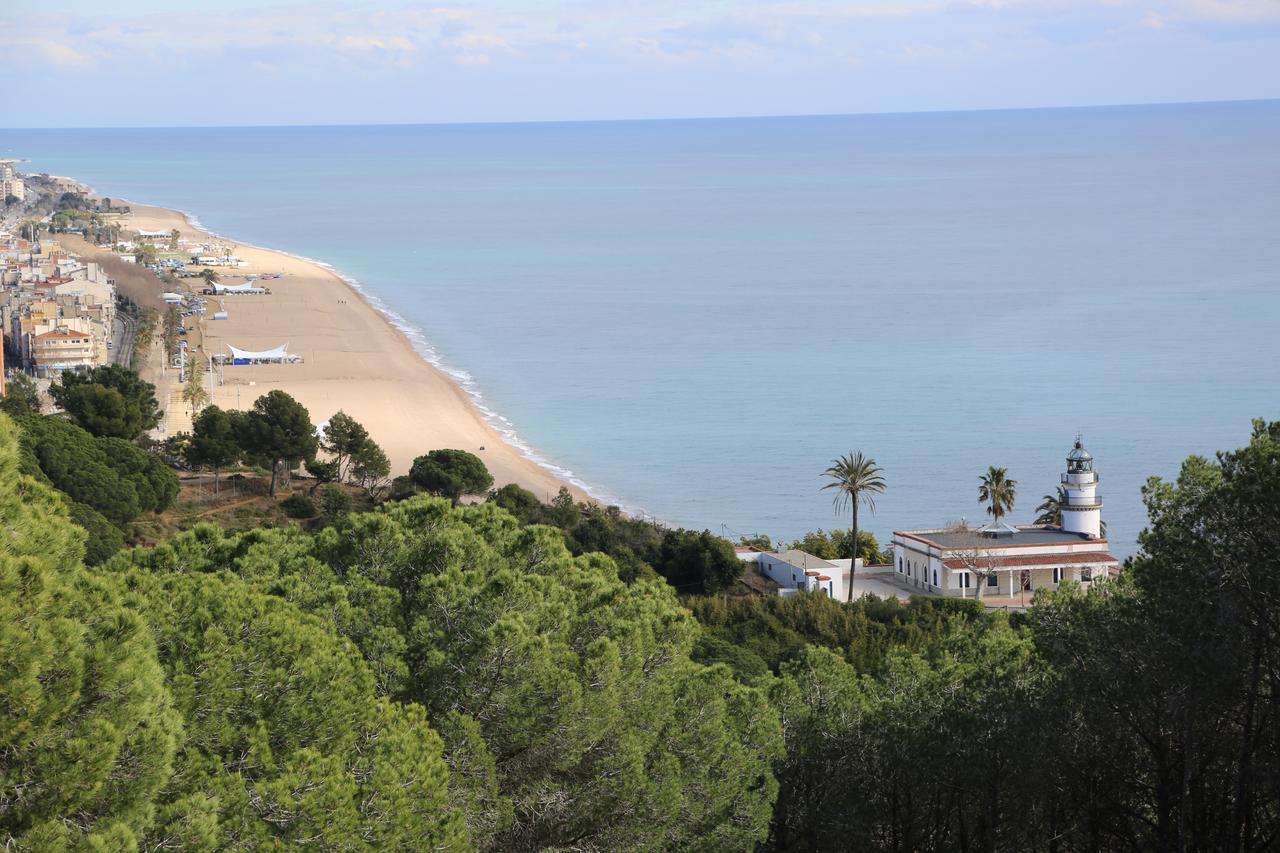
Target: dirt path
138	283
225	507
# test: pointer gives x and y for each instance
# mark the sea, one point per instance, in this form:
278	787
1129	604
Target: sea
693	318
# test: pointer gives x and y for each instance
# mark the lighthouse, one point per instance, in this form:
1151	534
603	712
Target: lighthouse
1082	511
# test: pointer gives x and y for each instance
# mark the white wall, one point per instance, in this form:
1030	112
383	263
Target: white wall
796	577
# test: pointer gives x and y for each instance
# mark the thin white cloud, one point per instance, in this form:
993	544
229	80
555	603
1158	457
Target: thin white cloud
1235	11
615	50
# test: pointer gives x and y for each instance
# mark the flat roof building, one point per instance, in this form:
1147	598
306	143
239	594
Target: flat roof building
62	349
1000	559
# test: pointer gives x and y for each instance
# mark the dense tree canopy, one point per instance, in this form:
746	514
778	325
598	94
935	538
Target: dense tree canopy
835	545
562	693
697	562
104	538
214	441
108	401
285	741
21	396
277	432
87	728
110	475
635	544
435	676
1179	747
451	473
344	438
369	469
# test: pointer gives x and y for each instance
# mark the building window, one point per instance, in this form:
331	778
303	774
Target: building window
1057	575
1086	575
935	577
899	565
964	580
993	581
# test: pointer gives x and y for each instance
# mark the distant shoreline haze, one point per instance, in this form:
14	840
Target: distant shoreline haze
625	119
697	316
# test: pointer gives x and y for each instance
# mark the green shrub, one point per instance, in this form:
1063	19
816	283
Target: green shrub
335	501
299	506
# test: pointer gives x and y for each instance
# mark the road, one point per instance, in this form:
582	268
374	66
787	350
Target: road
122	338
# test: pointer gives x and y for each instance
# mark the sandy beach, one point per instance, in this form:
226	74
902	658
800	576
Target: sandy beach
354	360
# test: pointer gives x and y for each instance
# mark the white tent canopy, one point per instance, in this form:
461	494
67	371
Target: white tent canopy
247	287
279	354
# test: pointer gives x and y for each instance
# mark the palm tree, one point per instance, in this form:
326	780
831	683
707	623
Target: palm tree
1050	508
194	391
997	491
856	479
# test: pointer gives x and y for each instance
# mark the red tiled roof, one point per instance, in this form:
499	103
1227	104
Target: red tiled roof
1085	557
62	334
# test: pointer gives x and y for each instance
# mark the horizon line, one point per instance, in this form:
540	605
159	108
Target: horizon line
640	119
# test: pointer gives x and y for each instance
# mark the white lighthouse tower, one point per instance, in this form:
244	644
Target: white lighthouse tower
1082	511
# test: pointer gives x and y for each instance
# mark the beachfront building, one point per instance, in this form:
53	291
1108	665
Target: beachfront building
62	348
50	302
43	294
11	184
1005	560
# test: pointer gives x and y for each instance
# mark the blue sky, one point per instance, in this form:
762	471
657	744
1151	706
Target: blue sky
212	62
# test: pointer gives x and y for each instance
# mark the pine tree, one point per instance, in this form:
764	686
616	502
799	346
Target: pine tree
87	727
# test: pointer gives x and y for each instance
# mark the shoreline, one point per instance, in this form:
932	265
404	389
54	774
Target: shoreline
417	340
448	407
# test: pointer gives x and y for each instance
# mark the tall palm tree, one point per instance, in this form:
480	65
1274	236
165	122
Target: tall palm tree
997	491
856	479
1050	508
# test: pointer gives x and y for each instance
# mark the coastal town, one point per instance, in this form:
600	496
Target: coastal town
60	308
58	312
726	426
62	311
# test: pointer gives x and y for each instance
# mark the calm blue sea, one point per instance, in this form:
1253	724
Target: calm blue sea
694	317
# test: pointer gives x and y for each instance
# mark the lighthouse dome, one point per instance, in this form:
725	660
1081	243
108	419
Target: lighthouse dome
1078	453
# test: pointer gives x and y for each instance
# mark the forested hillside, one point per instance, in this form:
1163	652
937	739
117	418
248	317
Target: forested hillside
432	675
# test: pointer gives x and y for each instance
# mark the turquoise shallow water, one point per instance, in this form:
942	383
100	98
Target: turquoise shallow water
695	316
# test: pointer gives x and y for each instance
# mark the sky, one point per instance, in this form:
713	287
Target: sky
86	63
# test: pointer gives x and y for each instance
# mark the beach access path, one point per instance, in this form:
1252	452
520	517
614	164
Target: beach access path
354	360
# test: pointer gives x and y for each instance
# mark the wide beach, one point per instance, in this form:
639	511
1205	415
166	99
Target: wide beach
354	360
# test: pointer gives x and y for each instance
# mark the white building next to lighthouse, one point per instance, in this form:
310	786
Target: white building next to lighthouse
999	559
